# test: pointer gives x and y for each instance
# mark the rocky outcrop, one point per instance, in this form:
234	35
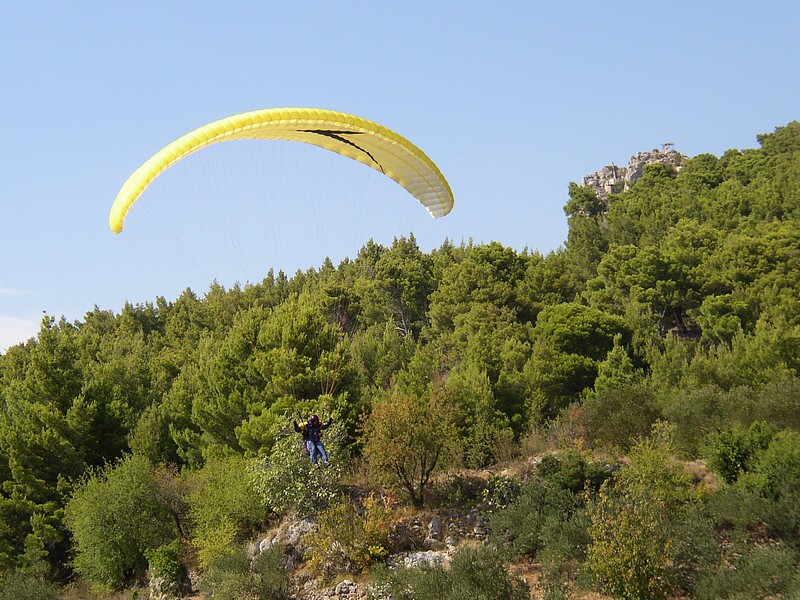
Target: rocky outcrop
428	539
612	179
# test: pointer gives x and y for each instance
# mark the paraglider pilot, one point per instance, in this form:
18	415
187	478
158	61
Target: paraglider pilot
312	436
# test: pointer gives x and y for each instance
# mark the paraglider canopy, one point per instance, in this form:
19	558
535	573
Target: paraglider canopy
359	139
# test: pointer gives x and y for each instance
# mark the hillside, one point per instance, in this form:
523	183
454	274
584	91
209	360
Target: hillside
650	367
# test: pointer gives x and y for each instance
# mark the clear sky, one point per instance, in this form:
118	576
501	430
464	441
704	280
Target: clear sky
513	100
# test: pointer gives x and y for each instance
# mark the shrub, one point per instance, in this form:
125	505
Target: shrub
114	516
224	506
774	468
564	546
474	573
518	528
26	585
285	482
764	572
619	416
232	576
500	491
572	471
223	491
633	524
733	450
455	489
695	412
165	566
732	506
347	542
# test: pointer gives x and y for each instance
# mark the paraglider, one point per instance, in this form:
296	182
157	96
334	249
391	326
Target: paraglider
359	139
312	439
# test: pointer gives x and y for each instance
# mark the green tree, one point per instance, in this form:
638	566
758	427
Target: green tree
114	516
484	429
634	550
407	438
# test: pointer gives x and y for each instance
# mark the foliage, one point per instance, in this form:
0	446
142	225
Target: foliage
407	438
500	491
114	517
286	481
164	564
27	585
572	471
676	299
473	573
348	540
456	490
485	430
619	416
231	576
776	469
223	507
518	529
733	450
760	573
635	540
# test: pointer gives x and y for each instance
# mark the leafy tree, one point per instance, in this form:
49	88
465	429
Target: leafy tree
587	240
633	550
407	438
405	278
570	341
223	502
620	416
484	429
284	480
487	274
114	516
548	280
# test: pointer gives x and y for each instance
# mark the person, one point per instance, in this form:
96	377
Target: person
312	436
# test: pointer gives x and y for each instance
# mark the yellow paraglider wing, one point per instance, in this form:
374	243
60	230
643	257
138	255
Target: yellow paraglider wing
351	136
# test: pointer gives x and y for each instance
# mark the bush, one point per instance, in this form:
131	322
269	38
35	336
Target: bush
114	516
26	585
571	471
455	489
501	491
733	450
736	507
347	542
564	547
775	467
232	576
474	573
165	566
619	416
518	528
285	480
695	412
633	525
224	506
764	572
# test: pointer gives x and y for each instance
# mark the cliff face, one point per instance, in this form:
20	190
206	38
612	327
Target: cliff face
612	179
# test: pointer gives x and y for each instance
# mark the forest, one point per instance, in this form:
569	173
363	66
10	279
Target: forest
650	366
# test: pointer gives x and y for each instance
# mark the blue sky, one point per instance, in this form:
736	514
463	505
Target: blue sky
513	100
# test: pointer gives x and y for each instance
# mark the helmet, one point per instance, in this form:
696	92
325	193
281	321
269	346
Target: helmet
314	420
